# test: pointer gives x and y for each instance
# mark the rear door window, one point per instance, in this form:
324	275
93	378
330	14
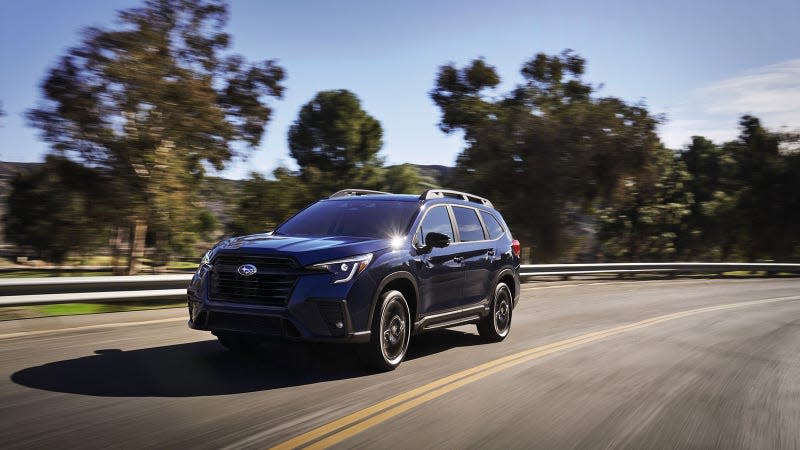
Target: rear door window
469	226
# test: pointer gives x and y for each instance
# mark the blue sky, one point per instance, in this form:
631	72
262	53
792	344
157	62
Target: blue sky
703	64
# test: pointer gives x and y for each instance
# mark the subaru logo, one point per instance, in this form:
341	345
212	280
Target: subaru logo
247	270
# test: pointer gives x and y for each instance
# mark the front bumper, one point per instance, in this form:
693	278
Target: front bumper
305	317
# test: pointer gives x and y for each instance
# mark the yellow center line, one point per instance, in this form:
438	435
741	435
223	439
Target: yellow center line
364	419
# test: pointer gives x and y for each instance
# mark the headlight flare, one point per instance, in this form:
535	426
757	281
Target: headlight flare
397	242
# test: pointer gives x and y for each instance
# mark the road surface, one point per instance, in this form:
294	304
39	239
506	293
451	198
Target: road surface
636	364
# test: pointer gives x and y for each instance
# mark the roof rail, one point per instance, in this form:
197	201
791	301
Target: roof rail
354	192
442	193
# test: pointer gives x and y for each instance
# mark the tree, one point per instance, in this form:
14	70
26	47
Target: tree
547	148
765	189
152	103
263	204
333	140
649	219
405	179
711	233
57	208
746	194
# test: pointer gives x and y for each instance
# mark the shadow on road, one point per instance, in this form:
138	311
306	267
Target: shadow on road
206	368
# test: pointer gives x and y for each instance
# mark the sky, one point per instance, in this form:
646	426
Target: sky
702	64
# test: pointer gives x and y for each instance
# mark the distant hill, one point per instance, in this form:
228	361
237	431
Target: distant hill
439	173
9	170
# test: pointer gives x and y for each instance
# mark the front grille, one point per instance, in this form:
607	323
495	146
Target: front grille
271	285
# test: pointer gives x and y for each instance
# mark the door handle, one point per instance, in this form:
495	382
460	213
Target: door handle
458	259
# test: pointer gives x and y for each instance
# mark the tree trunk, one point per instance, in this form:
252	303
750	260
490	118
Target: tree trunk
137	246
117	241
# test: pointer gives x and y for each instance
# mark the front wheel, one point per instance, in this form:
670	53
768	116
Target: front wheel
495	326
391	332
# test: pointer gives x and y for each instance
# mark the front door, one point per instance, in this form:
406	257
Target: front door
441	270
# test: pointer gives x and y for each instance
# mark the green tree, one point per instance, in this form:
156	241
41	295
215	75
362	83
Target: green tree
263	203
547	148
153	103
711	233
764	193
648	219
334	140
405	179
747	193
55	209
336	144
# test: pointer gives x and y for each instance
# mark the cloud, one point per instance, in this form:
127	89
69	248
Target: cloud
771	93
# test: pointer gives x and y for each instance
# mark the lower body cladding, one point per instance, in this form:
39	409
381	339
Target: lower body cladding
314	320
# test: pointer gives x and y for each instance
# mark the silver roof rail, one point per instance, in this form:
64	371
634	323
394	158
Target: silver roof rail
442	193
354	192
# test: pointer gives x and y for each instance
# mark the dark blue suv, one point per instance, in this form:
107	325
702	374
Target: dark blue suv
364	267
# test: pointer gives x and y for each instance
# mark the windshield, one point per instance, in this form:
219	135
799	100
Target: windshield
362	218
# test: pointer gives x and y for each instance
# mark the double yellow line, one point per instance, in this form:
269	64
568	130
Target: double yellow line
350	425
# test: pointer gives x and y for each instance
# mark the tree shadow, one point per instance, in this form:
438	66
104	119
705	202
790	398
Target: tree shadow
205	368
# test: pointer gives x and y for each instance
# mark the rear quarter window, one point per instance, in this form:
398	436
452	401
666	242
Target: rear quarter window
492	225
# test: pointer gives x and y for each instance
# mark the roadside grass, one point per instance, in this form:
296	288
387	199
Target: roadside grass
49	273
69	309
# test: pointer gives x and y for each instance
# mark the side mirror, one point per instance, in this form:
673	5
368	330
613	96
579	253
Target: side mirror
436	240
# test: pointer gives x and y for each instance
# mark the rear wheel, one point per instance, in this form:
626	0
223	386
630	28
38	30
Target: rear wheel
391	332
238	342
495	326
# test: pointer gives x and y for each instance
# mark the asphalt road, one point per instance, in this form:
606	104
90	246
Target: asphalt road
655	364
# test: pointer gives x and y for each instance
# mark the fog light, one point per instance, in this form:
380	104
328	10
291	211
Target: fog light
339	325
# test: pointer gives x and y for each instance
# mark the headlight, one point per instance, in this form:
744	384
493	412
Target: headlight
206	260
345	269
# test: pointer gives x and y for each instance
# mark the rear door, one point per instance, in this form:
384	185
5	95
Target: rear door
477	252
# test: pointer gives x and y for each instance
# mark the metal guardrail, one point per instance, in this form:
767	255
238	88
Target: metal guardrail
669	268
31	291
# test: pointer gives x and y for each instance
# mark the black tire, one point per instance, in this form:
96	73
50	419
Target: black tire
496	326
391	333
236	342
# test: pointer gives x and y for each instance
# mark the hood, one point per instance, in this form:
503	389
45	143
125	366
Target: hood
305	249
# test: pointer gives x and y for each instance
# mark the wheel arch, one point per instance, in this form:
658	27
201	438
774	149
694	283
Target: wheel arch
403	282
511	279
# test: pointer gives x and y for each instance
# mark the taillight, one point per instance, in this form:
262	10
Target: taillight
515	246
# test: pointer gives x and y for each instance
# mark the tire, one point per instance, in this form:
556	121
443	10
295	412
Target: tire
236	342
496	326
391	333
